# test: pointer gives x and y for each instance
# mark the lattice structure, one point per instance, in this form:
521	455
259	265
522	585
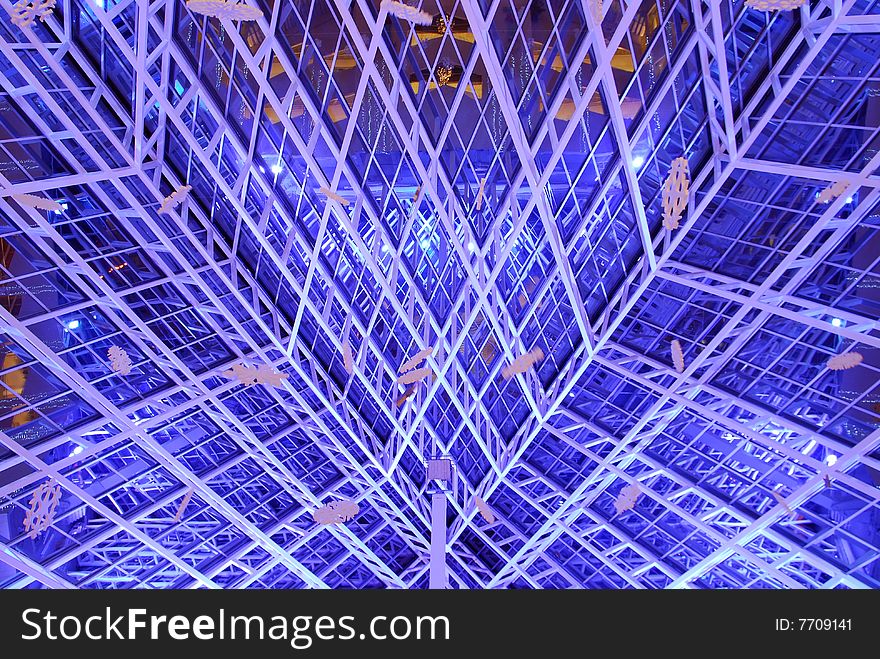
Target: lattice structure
570	131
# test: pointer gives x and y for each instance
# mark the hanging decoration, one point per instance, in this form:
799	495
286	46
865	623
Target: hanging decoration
42	512
406	394
485	510
25	12
833	191
174	199
263	374
224	9
407	12
414	376
415	360
775	5
347	358
120	362
675	193
626	499
845	361
480	193
183	505
336	512
677	356
522	363
33	201
782	502
333	196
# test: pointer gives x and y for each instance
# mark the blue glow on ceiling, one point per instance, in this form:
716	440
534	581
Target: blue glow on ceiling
502	176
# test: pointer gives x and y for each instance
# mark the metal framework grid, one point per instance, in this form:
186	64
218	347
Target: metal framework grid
572	117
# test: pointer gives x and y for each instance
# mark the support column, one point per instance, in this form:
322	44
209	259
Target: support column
437	579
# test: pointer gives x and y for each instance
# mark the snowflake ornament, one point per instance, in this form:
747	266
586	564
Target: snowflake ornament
407	12
183	505
485	510
263	374
406	394
224	9
845	361
174	199
782	503
43	502
415	360
332	195
479	203
120	362
347	358
833	191
414	376
675	193
336	512
522	363
775	5
677	356
25	12
33	201
627	498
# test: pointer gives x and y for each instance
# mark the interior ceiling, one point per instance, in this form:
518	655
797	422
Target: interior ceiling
108	107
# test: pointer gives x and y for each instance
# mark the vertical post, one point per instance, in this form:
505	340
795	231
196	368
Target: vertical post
437	578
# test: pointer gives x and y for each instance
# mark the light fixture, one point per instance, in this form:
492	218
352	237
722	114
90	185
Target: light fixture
73	324
837	322
76	451
425	243
638	161
472	246
830	459
276	168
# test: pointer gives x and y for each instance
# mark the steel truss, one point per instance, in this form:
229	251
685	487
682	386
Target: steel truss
363	446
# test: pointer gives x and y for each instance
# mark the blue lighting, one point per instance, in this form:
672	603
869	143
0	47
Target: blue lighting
256	353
